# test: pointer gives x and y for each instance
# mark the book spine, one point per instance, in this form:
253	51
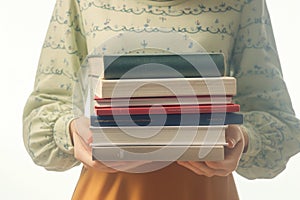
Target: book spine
164	66
204	119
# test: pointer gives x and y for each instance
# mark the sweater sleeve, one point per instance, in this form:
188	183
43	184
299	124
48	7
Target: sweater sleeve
50	107
270	121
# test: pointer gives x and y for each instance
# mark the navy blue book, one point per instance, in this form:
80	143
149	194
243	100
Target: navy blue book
203	119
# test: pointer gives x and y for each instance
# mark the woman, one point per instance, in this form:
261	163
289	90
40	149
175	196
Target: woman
58	140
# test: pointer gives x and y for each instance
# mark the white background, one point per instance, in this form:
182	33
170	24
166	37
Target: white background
23	28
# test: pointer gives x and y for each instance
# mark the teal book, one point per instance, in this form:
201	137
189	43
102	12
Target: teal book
132	66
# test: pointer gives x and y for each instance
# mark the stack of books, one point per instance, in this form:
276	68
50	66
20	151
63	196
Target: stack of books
162	107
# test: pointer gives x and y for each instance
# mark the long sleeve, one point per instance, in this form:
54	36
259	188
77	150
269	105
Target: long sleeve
273	129
50	107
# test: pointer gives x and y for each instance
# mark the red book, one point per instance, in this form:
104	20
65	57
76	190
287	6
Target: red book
170	109
169	100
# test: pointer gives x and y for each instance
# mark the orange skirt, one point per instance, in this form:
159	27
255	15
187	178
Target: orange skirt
173	182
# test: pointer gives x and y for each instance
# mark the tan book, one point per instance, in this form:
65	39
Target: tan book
158	87
159	135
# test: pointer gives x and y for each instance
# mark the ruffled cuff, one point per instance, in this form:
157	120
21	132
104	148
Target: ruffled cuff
62	134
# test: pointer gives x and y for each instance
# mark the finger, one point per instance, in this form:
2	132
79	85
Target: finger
233	135
201	171
189	166
94	164
221	168
134	166
82	125
231	143
235	153
82	154
118	165
127	166
81	144
221	172
230	163
204	168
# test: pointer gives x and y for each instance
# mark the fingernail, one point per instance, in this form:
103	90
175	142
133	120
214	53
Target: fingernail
231	143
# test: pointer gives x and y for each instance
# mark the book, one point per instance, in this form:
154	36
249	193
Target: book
225	86
167	109
198	119
156	135
158	153
127	66
171	100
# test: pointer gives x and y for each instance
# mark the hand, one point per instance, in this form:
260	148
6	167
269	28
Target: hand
237	142
82	138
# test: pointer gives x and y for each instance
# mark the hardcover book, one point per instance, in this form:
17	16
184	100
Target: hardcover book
198	119
158	153
156	135
157	87
127	66
168	100
170	109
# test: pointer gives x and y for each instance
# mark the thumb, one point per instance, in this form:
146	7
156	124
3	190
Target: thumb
82	126
233	136
231	142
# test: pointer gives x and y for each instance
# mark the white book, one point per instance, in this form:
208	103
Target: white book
158	153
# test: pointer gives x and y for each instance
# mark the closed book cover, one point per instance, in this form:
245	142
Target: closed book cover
156	135
170	100
128	66
158	153
158	87
199	119
175	109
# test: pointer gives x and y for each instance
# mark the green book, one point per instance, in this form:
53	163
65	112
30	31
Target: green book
133	66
